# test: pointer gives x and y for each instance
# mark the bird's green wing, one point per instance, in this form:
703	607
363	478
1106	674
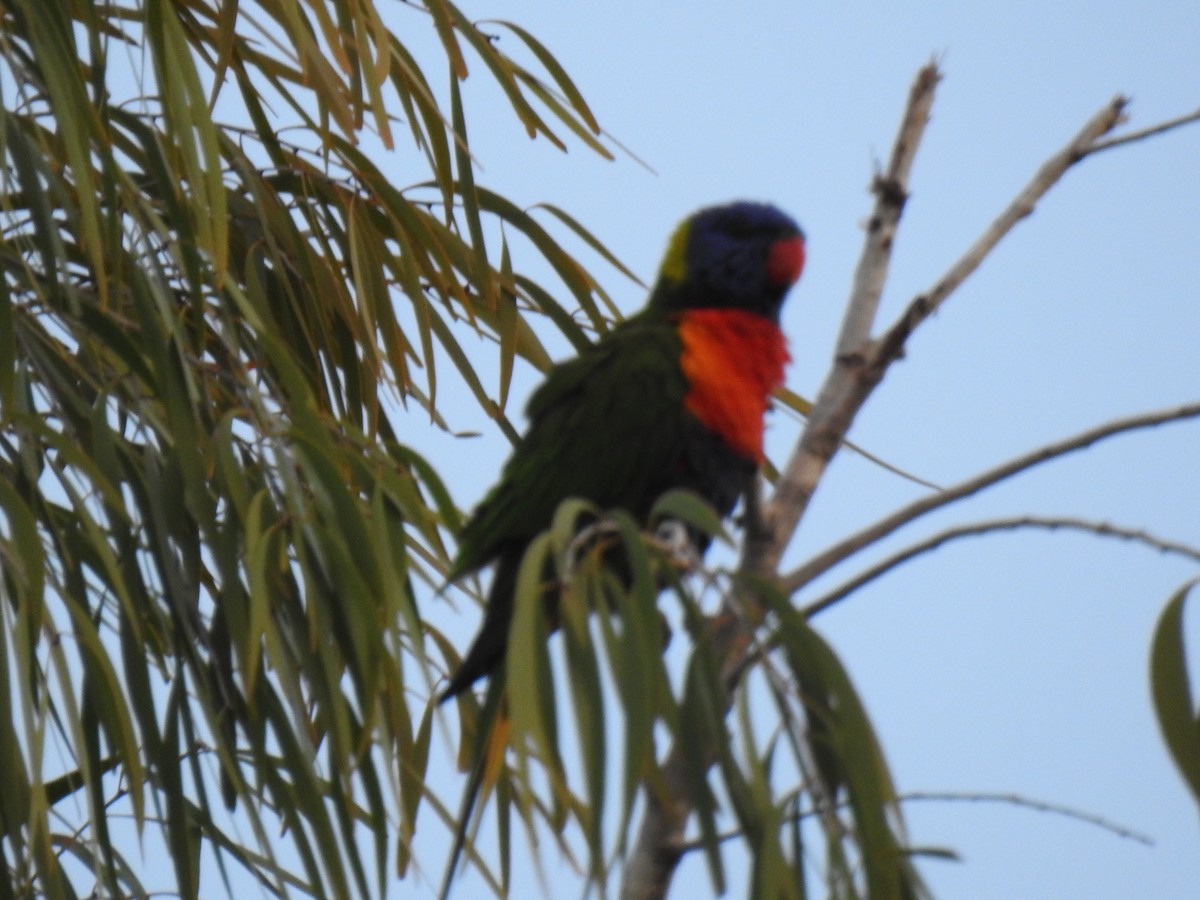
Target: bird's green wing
607	426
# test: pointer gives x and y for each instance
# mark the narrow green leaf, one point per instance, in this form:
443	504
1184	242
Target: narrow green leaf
32	170
527	660
508	325
792	400
24	560
588	701
414	761
420	106
557	72
14	801
463	363
552	103
850	747
113	713
502	70
590	239
1171	689
224	43
445	18
260	561
565	266
701	733
556	312
52	38
465	168
188	117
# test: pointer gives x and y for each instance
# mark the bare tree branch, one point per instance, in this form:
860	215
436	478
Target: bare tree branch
891	346
891	193
826	560
973	529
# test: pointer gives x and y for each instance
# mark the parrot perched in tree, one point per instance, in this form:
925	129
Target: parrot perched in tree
673	397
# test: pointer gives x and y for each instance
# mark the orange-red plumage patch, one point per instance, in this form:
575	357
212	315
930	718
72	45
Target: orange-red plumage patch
732	360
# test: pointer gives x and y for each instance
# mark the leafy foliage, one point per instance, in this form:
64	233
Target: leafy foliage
209	525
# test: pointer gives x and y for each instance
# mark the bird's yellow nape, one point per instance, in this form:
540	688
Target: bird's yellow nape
674	264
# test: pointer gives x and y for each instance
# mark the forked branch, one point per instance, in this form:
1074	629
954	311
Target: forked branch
891	346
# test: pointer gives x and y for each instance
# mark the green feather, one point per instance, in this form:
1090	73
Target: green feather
604	427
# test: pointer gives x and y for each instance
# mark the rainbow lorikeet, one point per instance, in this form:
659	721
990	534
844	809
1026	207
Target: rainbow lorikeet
673	397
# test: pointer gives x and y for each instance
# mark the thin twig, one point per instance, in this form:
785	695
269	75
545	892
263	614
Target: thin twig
1121	139
1038	805
973	529
826	560
1057	809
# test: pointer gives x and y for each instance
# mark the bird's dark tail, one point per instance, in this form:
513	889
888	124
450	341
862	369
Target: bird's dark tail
487	650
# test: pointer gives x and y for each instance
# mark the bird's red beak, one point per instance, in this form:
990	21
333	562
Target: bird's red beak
785	260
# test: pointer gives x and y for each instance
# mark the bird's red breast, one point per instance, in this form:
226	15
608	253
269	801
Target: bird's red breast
732	360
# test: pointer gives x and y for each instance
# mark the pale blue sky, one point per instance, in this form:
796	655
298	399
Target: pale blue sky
1015	663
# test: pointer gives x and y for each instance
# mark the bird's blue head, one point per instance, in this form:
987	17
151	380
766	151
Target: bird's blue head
740	256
